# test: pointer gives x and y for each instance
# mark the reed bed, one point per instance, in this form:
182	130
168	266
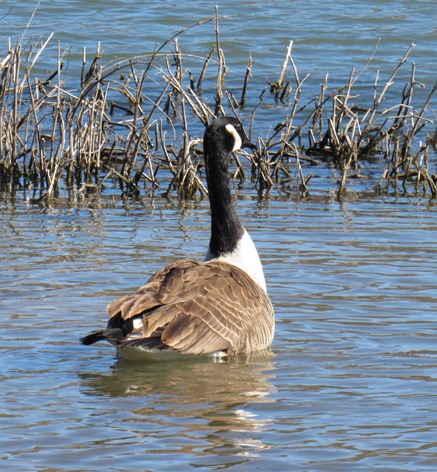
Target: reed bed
138	123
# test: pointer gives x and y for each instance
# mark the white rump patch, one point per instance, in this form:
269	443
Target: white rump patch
238	142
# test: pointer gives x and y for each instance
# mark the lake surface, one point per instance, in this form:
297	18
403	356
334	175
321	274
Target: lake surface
351	384
352	380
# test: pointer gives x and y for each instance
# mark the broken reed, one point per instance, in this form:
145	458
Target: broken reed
111	128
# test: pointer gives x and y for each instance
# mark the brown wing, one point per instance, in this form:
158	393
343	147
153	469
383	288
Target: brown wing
198	309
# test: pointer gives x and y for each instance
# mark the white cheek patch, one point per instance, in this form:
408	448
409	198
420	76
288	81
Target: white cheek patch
238	142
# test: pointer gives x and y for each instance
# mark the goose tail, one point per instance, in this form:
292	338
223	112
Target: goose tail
110	334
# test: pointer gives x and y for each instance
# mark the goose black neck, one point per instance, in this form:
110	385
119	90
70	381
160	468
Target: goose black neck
226	228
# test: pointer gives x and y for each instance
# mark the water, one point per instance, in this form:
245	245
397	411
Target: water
351	383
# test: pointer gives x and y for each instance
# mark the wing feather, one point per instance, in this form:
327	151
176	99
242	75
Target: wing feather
200	308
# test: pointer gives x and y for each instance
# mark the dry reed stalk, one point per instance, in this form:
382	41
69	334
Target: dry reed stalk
246	81
221	70
48	133
278	89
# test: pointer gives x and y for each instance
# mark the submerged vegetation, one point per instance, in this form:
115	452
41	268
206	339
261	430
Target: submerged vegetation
131	122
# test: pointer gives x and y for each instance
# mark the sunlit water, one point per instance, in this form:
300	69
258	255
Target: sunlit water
352	380
351	383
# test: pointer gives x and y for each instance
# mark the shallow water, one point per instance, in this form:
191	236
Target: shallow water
351	383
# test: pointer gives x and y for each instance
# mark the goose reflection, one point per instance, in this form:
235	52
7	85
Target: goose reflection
221	405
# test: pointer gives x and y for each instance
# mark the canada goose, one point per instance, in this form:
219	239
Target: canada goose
219	306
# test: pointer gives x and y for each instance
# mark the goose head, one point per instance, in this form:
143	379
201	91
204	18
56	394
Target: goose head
224	136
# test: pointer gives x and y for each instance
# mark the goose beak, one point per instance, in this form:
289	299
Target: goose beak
247	143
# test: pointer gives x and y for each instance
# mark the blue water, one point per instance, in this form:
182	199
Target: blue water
351	384
328	37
